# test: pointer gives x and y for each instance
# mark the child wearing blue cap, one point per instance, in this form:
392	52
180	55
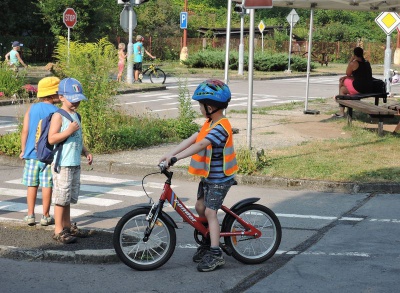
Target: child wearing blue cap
66	180
13	57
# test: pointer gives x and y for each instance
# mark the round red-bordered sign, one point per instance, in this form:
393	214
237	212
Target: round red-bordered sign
69	17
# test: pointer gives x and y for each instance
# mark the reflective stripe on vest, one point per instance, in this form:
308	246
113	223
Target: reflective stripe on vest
200	162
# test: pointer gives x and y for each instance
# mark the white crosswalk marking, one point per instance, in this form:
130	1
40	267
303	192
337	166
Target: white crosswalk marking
91	194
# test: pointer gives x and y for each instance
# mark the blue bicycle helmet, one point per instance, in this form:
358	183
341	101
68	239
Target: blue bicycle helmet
213	92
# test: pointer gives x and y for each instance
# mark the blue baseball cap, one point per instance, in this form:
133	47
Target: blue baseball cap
16	44
71	89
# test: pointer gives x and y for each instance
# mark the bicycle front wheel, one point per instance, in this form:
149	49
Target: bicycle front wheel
157	76
249	249
136	253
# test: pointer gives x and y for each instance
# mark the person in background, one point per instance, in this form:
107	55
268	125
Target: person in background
138	53
121	60
358	78
34	174
13	57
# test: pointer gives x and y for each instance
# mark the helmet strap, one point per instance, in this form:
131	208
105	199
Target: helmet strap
208	114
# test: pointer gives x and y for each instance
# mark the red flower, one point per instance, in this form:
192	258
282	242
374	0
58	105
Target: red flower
30	88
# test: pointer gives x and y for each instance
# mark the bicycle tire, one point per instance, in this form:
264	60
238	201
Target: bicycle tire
133	251
157	76
250	250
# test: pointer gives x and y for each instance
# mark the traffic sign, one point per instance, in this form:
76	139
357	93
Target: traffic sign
69	17
184	20
124	19
261	26
293	17
253	4
388	21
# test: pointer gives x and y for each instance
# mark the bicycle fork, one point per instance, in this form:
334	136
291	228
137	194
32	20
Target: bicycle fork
152	217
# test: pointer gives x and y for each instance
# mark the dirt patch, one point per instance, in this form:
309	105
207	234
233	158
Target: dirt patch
281	128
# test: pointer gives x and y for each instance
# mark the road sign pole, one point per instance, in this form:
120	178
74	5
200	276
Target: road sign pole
290	41
227	39
251	72
129	69
388	59
241	45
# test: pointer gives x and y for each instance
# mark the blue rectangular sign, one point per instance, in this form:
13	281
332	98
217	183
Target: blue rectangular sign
184	20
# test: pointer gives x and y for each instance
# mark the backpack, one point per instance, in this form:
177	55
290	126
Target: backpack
378	86
45	151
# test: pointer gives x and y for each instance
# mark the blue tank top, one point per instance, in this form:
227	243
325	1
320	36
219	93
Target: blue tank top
72	148
36	113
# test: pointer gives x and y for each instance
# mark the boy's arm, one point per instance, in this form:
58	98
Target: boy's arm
20	60
24	133
193	149
55	136
179	148
87	155
151	56
7	55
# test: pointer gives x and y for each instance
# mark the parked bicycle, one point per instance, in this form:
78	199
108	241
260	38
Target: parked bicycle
155	73
145	238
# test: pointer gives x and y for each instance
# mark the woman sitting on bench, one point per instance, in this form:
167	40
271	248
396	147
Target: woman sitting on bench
358	77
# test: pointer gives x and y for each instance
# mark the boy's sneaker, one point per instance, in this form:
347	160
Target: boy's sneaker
201	251
45	221
30	220
64	237
210	262
76	232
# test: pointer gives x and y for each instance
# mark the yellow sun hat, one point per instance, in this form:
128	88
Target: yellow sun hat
48	86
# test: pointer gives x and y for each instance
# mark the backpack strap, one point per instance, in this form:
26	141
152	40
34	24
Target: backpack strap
59	146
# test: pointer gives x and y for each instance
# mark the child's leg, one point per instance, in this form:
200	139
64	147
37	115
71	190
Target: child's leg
31	199
200	207
67	217
46	200
58	218
213	225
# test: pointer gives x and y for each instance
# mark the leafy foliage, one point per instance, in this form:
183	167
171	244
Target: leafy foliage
10	84
262	61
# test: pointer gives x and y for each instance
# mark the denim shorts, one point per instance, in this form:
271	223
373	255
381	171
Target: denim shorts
214	193
34	176
66	185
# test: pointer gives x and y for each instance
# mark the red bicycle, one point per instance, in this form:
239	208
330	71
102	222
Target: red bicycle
145	238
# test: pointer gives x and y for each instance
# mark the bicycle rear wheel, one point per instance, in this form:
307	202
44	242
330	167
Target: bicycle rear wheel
248	249
157	76
133	251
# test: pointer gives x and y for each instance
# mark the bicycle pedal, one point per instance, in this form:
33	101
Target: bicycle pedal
226	249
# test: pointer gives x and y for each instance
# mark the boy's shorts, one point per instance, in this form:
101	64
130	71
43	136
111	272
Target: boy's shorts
34	176
138	66
214	193
66	185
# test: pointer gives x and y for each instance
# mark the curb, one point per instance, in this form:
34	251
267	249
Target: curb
98	256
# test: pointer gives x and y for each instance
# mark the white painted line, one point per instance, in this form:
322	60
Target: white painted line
22	208
110	190
286	102
103	202
351	219
8	125
143	101
161	110
14	192
306	217
126	182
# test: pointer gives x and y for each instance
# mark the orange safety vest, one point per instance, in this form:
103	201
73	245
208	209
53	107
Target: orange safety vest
200	162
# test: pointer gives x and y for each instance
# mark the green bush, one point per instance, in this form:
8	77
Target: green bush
262	61
9	83
10	144
250	161
185	125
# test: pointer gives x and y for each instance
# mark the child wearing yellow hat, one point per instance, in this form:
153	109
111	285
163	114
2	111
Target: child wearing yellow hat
34	174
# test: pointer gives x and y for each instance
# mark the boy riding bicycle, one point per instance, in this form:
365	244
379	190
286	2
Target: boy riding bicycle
214	159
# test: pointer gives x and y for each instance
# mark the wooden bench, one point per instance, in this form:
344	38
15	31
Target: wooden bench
358	97
396	107
373	111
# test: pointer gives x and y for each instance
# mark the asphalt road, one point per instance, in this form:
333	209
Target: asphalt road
332	242
165	103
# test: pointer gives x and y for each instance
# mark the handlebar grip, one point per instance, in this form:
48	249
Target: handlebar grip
173	161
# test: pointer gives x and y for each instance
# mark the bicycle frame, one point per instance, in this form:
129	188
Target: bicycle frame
198	222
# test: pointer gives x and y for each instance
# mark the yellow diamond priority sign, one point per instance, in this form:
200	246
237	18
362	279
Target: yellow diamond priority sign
388	21
261	26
